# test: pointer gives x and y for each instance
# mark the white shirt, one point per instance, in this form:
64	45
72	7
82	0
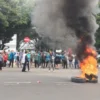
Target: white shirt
23	58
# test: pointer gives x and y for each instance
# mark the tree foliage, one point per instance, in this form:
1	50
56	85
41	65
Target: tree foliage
98	31
14	18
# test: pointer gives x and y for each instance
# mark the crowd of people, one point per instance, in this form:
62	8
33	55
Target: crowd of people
39	59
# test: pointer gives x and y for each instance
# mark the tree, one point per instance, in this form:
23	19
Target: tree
14	18
98	31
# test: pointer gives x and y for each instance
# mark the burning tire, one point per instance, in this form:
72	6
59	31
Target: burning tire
78	80
91	78
83	80
92	81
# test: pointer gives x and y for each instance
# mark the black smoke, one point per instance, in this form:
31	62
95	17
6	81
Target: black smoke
67	21
79	17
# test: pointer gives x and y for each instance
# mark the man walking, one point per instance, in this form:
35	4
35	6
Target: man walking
25	62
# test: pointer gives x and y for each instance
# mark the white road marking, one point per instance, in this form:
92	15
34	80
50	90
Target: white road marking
17	82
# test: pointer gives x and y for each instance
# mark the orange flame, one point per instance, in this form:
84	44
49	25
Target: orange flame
89	64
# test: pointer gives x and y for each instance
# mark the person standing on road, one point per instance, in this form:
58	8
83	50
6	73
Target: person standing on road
52	66
29	59
5	58
11	58
20	58
25	62
43	60
36	59
17	59
1	61
39	60
70	61
57	61
64	61
48	59
76	63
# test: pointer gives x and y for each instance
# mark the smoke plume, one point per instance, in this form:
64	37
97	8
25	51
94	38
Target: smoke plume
66	21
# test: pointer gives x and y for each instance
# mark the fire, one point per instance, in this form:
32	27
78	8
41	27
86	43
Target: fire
89	64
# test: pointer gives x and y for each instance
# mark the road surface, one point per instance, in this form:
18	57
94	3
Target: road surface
39	84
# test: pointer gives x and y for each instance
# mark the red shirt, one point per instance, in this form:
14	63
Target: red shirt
5	57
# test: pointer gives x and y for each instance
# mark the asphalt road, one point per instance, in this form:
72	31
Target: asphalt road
41	85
